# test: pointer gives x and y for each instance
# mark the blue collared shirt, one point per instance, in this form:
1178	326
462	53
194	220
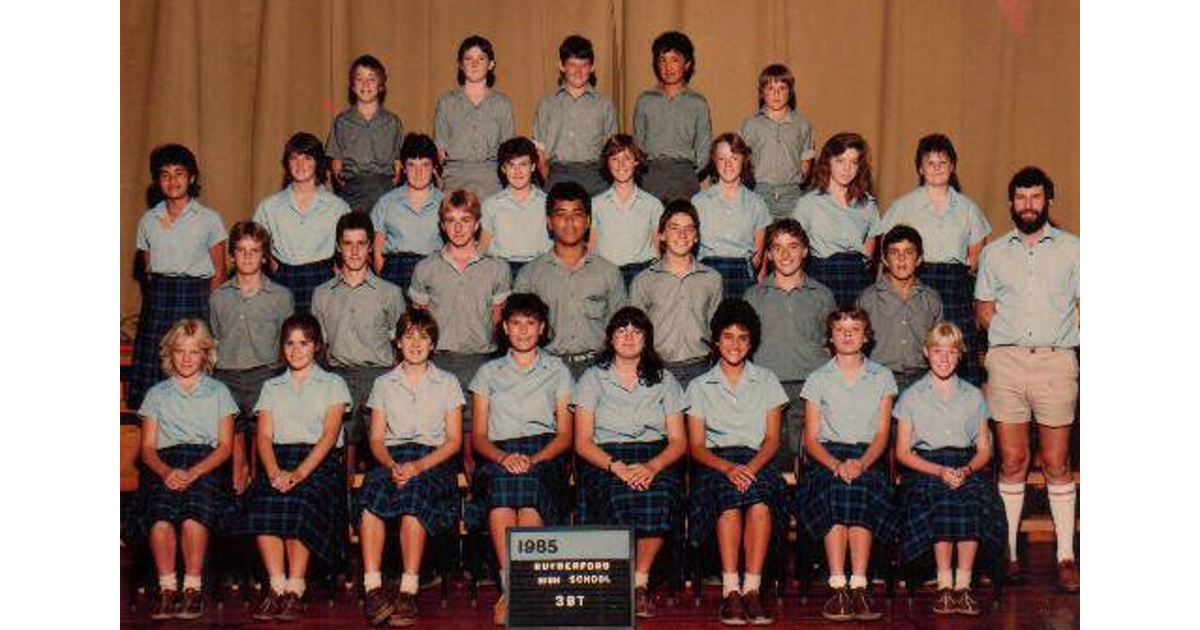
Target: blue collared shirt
518	229
946	234
849	410
522	401
940	423
735	416
298	409
833	229
627	415
416	414
188	418
1035	289
183	248
625	233
408	229
727	228
299	238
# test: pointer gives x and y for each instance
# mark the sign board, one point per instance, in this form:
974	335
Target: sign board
570	577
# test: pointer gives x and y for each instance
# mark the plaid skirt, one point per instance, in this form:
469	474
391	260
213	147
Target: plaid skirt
933	512
586	174
167	299
605	500
207	501
630	271
398	268
544	487
845	274
823	501
957	289
736	275
301	280
362	190
432	496
712	493
671	178
313	511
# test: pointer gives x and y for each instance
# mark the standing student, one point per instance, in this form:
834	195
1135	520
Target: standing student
522	429
734	218
182	245
406	219
296	503
416	432
671	121
844	498
733	434
246	314
781	140
364	142
793	308
943	439
572	123
679	294
625	217
954	230
187	436
582	289
839	214
472	120
512	218
1027	298
301	219
629	429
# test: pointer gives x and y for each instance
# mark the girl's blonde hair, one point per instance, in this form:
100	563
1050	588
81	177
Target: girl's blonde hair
194	328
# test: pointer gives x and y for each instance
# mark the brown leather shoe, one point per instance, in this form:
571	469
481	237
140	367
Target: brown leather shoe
733	610
965	603
166	606
860	605
500	611
944	602
268	607
755	613
406	612
377	606
290	607
642	606
191	605
837	607
1068	576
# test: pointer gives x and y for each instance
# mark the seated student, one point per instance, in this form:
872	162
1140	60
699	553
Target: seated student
406	219
679	294
187	436
572	122
901	307
624	216
842	498
472	120
513	218
364	142
629	428
182	244
839	213
296	503
781	140
301	219
522	427
943	439
733	434
416	432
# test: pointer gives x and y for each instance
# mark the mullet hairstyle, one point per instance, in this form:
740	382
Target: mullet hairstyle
737	145
861	188
482	43
674	207
937	143
674	41
576	47
788	226
781	73
370	63
251	230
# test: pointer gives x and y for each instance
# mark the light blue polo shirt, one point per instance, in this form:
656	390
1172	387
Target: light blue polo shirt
185	418
946	234
833	229
301	238
625	233
627	415
849	411
521	402
939	423
408	229
183	249
416	414
298	409
735	416
727	227
518	229
1035	289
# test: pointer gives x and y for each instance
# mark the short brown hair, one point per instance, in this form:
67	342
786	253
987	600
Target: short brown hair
249	229
781	73
852	313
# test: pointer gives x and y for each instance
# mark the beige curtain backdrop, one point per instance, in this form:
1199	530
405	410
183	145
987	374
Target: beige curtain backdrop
233	79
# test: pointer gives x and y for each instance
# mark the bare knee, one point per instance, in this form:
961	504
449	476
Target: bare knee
758	512
1014	463
1057	471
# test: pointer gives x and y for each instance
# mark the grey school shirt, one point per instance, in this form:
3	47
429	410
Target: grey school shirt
571	129
468	132
581	300
793	326
462	301
679	307
779	148
358	321
366	146
900	324
246	327
673	127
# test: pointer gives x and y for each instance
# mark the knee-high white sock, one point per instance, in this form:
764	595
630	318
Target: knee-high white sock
1062	510
1013	496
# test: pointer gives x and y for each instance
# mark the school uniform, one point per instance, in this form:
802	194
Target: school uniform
630	425
836	242
410	233
368	150
625	231
849	420
302	243
415	425
471	135
518	228
778	150
246	328
944	432
572	131
177	285
680	309
900	326
727	230
675	132
313	511
735	425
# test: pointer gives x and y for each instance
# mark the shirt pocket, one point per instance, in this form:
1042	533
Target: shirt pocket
593	308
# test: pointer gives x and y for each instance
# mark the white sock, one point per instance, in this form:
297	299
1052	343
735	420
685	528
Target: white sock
168	582
837	581
410	582
641	580
729	584
191	581
753	582
945	578
295	585
962	580
1062	510
1013	496
278	583
372	580
858	581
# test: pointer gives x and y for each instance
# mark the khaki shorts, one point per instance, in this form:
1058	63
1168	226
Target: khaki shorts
1043	382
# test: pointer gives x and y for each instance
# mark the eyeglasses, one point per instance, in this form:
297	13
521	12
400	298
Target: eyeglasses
629	331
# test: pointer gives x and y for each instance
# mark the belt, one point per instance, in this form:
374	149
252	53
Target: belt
1033	349
579	357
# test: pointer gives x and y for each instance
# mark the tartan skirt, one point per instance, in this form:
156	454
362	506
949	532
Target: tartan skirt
398	268
543	488
736	275
823	500
712	493
362	190
313	511
671	178
933	512
605	500
207	501
167	299
957	289
431	497
845	274
301	280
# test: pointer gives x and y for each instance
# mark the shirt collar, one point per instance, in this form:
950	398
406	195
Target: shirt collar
588	90
371	280
445	255
1049	233
204	385
538	363
788	119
